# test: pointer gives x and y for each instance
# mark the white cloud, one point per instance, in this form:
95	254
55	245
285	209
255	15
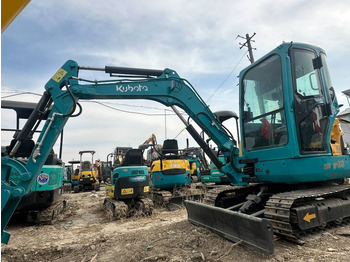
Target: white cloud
195	38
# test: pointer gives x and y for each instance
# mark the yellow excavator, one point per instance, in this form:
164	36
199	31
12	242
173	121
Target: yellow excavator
86	174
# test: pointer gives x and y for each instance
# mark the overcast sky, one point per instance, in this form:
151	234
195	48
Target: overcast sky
197	38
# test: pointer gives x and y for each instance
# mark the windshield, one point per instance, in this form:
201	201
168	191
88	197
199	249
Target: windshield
327	78
306	77
312	123
264	122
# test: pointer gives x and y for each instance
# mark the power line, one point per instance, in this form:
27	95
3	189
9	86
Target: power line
120	104
105	104
18	94
125	111
227	77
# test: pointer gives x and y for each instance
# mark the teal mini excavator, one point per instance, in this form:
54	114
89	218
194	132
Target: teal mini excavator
288	167
45	201
128	188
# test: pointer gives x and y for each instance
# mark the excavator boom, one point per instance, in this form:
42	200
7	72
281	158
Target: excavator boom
64	90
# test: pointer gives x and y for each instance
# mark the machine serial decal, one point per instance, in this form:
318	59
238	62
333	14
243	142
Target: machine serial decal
338	164
129	88
59	75
308	217
42	179
326	166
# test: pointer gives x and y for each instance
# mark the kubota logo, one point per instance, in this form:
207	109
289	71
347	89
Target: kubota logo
129	88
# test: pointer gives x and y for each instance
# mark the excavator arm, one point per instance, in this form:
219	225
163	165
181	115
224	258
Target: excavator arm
163	86
65	89
152	138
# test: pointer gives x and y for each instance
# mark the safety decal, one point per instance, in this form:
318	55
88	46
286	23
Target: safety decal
59	75
308	217
42	179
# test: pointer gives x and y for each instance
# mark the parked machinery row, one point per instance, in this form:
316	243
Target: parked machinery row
289	161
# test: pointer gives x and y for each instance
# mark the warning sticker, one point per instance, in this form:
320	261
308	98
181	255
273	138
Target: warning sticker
59	75
43	178
127	191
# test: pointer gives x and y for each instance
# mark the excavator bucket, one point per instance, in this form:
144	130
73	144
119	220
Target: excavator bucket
253	232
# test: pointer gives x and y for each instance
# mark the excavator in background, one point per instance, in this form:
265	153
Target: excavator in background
197	161
86	174
152	139
170	173
45	202
171	177
67	178
127	193
72	175
104	169
119	154
151	154
214	175
201	170
288	169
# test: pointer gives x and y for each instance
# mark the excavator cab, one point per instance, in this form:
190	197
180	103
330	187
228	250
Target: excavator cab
287	127
287	109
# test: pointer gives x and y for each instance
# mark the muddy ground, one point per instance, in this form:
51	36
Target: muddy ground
83	234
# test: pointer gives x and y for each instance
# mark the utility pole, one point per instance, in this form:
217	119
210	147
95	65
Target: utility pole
165	122
248	45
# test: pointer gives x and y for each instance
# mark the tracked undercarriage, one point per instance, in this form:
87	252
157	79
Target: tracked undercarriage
46	216
118	209
175	198
225	195
255	214
296	213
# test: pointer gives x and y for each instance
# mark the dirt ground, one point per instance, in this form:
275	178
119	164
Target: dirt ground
84	234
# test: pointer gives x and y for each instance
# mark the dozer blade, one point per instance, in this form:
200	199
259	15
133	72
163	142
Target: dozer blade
253	232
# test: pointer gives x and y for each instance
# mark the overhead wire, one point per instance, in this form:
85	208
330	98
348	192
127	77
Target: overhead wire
227	77
105	105
22	93
125	111
140	113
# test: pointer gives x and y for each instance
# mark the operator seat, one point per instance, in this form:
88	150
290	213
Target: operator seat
133	157
24	150
170	147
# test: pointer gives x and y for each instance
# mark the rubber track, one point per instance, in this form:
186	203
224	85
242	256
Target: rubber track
147	206
50	214
213	196
117	207
278	208
161	198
